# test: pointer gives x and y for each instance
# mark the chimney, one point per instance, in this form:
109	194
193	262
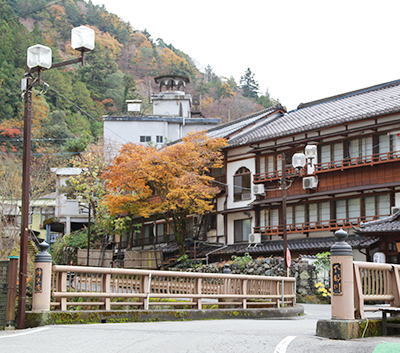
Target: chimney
134	105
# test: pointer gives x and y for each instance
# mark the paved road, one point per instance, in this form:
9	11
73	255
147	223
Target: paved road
275	336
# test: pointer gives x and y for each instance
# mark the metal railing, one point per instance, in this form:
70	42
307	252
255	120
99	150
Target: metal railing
375	282
109	287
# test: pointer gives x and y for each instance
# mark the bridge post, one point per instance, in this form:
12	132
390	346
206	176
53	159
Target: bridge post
42	280
342	278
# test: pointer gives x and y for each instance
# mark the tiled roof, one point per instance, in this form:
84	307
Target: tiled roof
370	102
304	244
384	225
227	129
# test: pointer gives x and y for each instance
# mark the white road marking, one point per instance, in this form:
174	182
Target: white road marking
282	345
25	332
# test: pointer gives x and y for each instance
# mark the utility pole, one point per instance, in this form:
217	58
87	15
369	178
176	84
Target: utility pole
284	213
26	170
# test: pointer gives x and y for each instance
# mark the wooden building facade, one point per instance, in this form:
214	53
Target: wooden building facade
353	177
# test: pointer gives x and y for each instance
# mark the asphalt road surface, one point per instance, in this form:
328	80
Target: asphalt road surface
232	336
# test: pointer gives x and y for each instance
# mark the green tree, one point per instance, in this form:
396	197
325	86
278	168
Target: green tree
266	101
249	85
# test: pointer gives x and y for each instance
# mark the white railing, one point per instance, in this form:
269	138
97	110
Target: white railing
109	287
375	282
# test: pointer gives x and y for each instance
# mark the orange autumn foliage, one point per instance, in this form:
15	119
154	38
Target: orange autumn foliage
178	174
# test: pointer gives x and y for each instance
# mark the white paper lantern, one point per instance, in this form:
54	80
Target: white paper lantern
39	56
82	38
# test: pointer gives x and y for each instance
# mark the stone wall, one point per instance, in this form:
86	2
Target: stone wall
305	274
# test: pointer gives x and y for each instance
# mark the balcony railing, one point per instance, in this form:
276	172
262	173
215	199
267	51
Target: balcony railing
276	175
328	225
355	162
347	163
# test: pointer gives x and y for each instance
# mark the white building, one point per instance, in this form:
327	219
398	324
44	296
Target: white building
172	117
68	213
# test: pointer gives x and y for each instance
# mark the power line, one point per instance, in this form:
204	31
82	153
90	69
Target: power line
75	105
34	11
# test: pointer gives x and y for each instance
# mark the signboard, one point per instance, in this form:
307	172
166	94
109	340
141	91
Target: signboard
38	280
337	278
288	258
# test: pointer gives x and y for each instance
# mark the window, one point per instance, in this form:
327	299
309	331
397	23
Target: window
212	222
360	147
161	232
313	213
145	138
159	139
272	163
242	229
389	143
148	234
377	205
331	152
269	219
242	185
348	210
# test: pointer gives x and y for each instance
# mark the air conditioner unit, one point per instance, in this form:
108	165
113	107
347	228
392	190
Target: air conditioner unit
395	209
254	238
258	189
310	183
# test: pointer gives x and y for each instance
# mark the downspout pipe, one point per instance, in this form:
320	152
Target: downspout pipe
213	251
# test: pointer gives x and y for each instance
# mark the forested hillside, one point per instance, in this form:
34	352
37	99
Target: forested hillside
125	59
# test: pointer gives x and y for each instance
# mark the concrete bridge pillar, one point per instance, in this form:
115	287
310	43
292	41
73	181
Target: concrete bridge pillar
342	278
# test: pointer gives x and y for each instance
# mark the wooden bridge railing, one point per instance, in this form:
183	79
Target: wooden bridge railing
113	286
375	282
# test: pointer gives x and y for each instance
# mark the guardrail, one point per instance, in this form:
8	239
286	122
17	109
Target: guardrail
143	288
375	282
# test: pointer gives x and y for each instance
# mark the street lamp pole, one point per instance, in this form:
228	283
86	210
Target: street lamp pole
39	59
26	166
284	211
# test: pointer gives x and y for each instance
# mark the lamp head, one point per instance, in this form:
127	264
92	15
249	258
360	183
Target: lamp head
299	160
311	151
82	38
39	56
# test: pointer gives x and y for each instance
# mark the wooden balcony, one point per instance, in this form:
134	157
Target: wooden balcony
329	226
276	175
348	163
356	162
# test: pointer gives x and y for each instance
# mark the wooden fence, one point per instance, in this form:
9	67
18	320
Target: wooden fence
375	282
109	287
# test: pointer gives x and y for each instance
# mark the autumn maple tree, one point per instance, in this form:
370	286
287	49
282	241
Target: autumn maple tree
171	182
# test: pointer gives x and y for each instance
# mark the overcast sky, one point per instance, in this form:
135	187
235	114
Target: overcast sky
300	50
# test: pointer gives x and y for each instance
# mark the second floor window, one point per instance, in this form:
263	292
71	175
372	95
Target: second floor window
145	138
331	152
360	147
159	139
242	185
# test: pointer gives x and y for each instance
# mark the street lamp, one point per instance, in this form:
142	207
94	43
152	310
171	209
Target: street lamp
299	161
38	60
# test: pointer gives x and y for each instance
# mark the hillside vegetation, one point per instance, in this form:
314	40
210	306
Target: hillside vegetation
68	112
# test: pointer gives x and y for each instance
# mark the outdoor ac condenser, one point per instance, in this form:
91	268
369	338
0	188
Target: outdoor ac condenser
254	238
310	183
258	189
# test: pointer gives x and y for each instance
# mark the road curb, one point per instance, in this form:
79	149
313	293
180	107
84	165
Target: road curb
114	316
